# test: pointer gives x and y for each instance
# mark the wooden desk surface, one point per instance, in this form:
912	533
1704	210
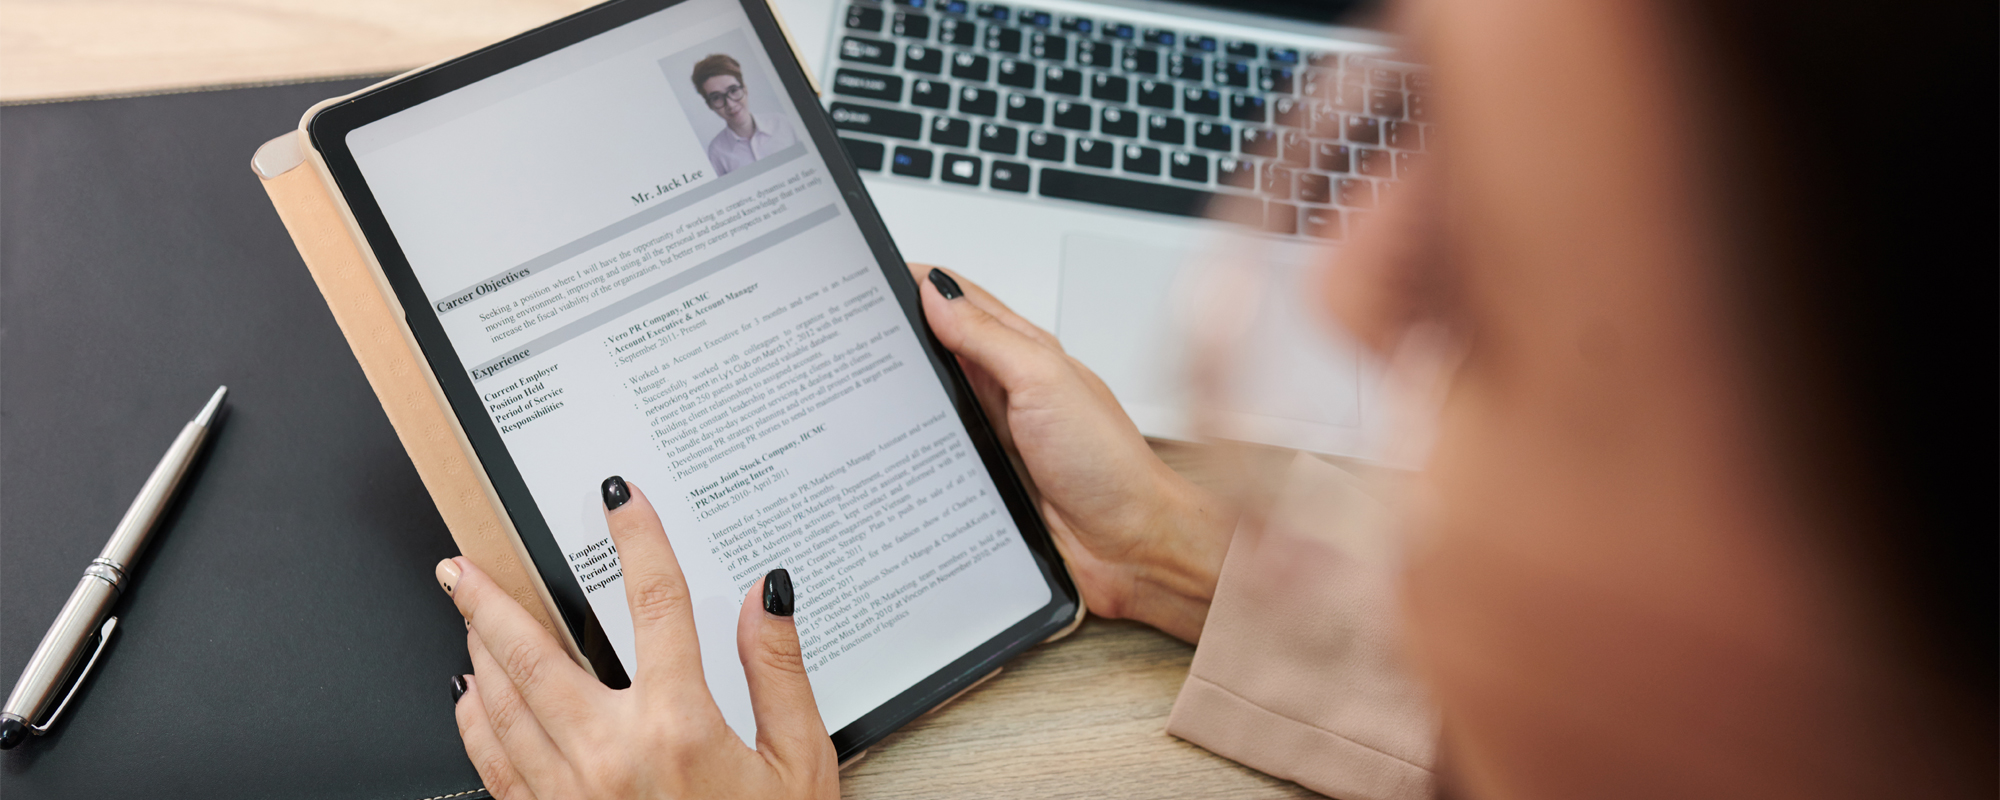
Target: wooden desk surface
1084	717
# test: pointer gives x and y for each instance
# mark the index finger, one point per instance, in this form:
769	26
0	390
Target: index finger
662	613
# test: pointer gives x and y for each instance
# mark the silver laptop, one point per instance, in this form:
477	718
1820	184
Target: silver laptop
1069	156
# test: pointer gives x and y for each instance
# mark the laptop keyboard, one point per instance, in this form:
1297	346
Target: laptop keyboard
1015	99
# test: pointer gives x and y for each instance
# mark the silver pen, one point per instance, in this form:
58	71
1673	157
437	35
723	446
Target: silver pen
85	616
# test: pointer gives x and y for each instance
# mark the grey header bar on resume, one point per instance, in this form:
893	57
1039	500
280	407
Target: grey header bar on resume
656	291
673	203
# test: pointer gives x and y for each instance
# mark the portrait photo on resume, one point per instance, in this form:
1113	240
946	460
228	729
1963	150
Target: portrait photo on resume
736	108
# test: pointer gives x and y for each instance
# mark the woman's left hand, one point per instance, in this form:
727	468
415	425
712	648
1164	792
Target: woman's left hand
539	727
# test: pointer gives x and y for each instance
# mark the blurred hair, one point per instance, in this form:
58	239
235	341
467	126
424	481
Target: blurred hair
1859	150
714	66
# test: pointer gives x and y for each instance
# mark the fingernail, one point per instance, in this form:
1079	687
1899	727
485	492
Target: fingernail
945	285
778	592
616	493
447	573
457	688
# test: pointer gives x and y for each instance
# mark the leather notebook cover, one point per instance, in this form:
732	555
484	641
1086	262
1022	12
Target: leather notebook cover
283	636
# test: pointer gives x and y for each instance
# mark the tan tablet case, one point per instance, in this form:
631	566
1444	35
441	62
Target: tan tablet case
358	293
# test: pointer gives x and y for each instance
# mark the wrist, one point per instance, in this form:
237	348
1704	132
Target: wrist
1175	576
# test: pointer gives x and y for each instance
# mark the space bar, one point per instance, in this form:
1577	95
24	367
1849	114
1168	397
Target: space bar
1165	199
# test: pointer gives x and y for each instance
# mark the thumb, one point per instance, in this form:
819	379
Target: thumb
789	728
976	336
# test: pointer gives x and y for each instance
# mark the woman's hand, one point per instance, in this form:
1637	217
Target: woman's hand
538	727
1142	542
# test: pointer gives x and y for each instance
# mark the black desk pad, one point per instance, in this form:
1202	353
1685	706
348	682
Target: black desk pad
283	637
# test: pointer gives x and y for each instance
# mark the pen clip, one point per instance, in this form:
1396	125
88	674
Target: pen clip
103	638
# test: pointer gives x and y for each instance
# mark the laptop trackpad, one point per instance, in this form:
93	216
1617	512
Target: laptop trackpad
1293	382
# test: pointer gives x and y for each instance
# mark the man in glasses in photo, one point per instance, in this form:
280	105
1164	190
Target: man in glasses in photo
744	138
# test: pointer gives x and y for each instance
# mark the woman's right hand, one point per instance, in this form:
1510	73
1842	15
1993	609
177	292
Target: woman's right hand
1142	542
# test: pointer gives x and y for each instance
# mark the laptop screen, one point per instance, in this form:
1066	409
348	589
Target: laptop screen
1358	13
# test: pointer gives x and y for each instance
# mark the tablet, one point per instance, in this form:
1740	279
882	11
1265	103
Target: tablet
629	243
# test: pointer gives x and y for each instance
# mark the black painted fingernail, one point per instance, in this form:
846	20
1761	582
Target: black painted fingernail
945	285
615	493
457	688
778	592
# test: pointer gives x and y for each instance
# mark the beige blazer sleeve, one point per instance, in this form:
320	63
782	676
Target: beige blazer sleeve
1299	673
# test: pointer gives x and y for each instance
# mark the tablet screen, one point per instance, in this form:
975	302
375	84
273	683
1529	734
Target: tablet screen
644	268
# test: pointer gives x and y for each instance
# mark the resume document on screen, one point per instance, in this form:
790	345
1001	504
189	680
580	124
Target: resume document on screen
725	342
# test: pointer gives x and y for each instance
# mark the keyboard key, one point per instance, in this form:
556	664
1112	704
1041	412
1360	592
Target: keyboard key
1078	24
1075	116
1294	149
1277	80
960	32
1364	130
960	169
1356	193
1037	19
1404	135
1183	166
1123	193
872	85
865	154
999	139
1052	46
1206	44
970	67
1241	50
1213	136
1110	87
1184	67
1023	108
992	11
1118	122
1235	172
1246	108
1062	81
1120	30
1315	188
868	51
1257	142
1018	74
912	161
1385	103
1322	223
1201	101
1093	153
1009	176
912	25
1385	78
910	3
917	58
1290	112
984	102
1329	60
882	121
1326	121
1163	38
1418	110
1330	157
1141	160
1047	146
865	18
959	7
1348	97
1405	162
1276	181
951	131
1094	54
1286	56
1232	73
1170	130
1141	60
1281	218
1417	81
930	94
1374	163
1003	40
1157	94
